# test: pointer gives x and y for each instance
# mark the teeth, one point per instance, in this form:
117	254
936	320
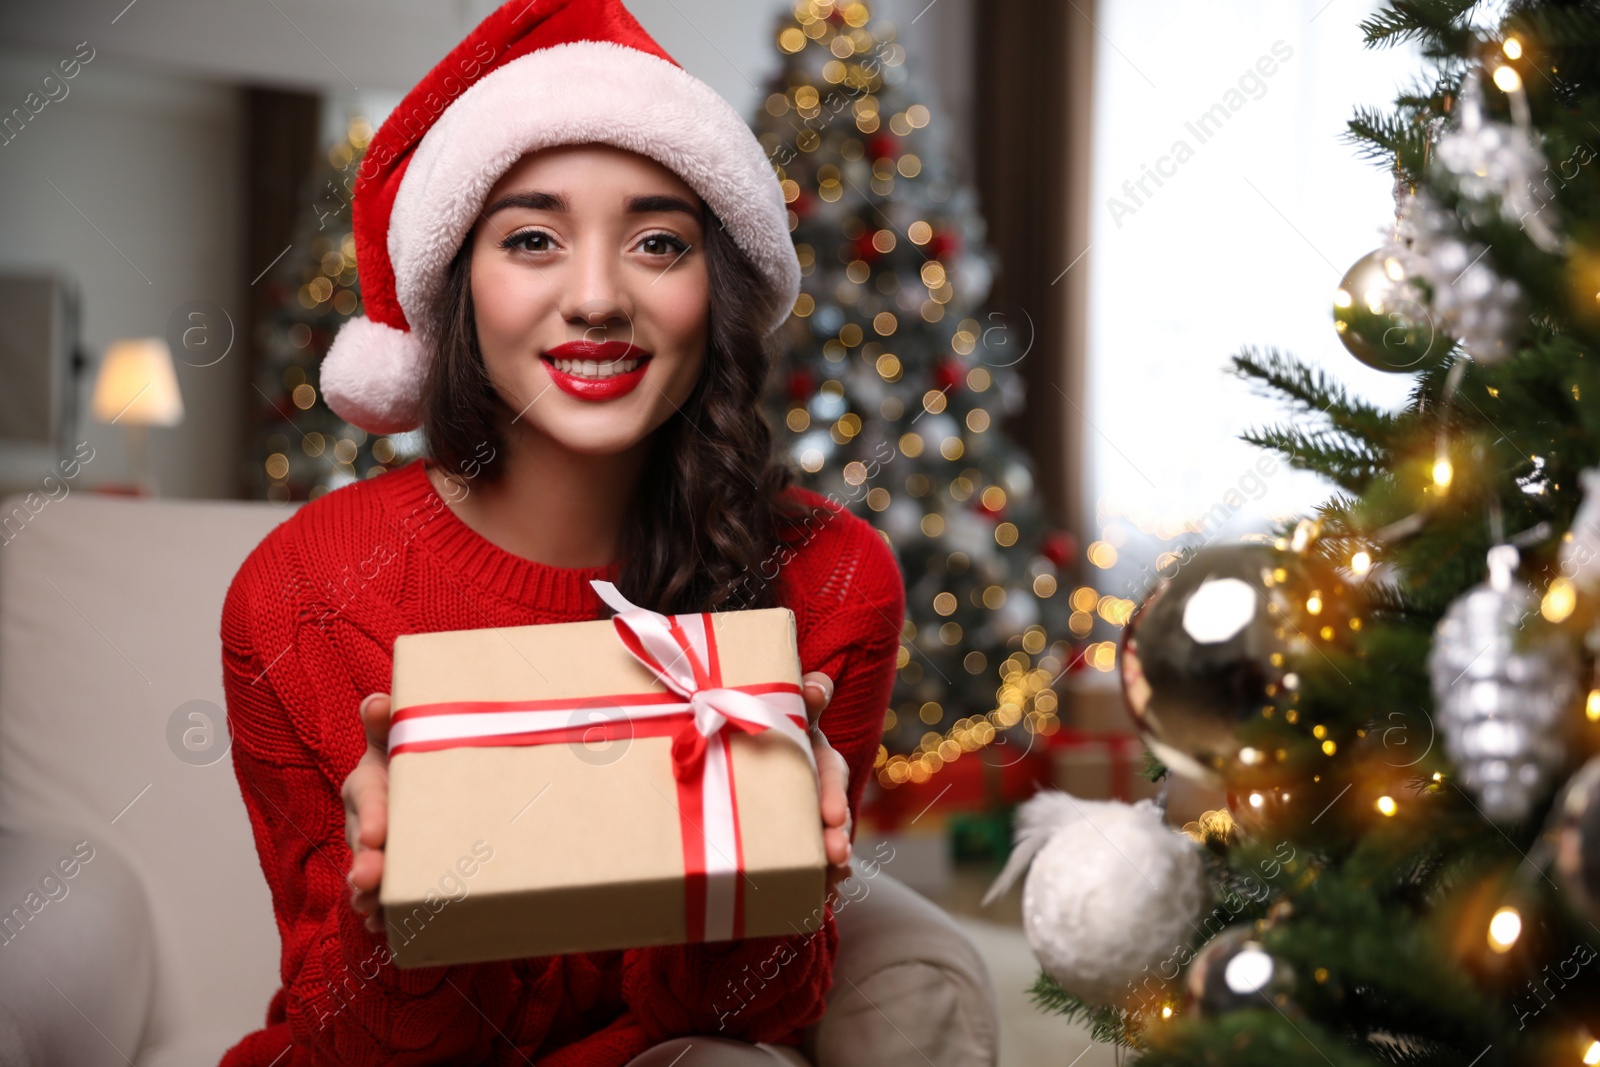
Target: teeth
588	368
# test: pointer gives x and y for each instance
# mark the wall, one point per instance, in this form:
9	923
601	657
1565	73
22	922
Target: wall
128	185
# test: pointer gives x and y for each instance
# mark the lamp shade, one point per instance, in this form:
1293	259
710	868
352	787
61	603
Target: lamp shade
136	385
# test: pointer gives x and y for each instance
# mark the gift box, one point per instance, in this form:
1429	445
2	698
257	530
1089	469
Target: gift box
1098	766
616	783
977	781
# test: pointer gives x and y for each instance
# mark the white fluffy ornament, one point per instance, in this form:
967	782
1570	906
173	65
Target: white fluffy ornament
1111	890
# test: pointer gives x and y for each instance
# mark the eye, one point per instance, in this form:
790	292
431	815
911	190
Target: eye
527	241
665	244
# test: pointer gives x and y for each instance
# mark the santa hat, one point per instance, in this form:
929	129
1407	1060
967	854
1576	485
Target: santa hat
532	75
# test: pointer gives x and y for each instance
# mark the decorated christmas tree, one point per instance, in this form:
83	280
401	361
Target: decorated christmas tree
1397	692
894	390
302	449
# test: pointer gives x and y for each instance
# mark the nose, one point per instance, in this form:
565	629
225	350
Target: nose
593	297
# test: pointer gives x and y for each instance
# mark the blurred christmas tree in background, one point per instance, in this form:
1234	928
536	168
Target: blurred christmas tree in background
894	388
302	449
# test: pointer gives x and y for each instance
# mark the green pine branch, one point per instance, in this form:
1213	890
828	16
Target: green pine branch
1331	455
1399	139
1436	23
1383	137
1105	1024
1312	389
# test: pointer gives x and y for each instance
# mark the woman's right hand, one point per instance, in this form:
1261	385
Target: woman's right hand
366	811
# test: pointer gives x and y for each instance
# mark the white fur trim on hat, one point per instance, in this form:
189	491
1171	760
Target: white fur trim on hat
373	376
585	91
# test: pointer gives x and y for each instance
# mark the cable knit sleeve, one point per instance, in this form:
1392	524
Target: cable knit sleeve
767	989
856	642
343	1000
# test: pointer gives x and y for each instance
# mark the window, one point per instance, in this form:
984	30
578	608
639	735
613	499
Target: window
1225	207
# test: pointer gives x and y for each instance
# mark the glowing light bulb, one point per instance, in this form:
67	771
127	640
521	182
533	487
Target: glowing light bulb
1386	806
1591	1055
1361	562
1506	78
1592	708
1512	48
1559	600
1443	472
1504	929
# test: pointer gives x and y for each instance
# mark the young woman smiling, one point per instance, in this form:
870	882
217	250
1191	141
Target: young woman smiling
572	258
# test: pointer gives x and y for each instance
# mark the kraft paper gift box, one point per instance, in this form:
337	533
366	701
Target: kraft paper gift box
1098	766
616	783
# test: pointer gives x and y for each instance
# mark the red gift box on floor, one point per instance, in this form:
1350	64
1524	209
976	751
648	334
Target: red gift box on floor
975	781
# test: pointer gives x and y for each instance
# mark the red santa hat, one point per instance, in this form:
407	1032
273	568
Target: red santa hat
531	75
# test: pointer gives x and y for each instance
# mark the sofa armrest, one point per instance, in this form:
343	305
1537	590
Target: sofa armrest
909	986
77	956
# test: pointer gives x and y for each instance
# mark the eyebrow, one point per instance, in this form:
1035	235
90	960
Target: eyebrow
634	205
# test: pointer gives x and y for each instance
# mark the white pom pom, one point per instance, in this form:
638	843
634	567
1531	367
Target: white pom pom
373	375
1110	891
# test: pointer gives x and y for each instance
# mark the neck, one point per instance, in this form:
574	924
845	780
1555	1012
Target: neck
550	504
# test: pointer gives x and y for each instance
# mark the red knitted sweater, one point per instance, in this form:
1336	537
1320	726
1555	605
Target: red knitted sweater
307	631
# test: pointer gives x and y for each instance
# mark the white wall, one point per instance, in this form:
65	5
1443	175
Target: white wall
144	215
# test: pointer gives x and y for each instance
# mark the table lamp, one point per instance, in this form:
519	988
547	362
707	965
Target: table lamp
137	389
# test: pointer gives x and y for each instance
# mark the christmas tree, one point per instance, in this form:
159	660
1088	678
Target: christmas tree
1397	692
302	449
893	390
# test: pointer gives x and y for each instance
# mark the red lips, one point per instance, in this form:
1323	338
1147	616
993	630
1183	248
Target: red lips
600	352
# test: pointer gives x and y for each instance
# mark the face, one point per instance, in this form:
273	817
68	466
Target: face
590	290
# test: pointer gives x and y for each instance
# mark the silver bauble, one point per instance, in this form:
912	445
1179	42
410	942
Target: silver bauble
1469	299
1503	691
1501	162
1233	971
1382	319
1197	657
1575	834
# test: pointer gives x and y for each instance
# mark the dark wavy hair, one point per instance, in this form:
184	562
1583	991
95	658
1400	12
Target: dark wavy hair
713	505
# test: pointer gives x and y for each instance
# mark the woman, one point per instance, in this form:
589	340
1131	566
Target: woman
572	254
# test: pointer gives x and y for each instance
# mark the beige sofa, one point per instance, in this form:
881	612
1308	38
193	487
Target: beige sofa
135	924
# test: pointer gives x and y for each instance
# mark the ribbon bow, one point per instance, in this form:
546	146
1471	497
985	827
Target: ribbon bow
680	651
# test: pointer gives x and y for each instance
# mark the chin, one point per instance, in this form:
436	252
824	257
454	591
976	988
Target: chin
585	438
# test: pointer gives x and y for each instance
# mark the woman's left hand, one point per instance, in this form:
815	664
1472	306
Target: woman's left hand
832	774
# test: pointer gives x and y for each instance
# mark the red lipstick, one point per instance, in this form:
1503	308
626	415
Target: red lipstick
588	387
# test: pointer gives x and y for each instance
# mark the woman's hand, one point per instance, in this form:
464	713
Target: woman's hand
366	811
832	774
